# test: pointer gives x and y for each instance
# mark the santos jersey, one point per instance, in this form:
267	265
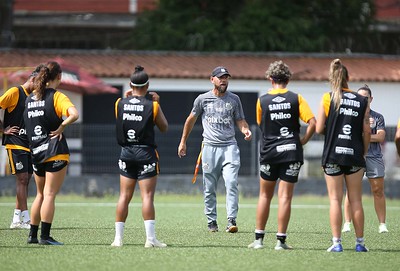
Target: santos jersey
135	121
13	102
343	130
41	117
278	114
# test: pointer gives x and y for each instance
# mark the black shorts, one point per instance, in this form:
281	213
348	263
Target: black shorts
288	172
20	161
138	162
52	166
336	170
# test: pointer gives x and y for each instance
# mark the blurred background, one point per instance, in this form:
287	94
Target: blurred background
99	42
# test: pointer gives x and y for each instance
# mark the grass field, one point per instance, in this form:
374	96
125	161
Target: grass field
86	226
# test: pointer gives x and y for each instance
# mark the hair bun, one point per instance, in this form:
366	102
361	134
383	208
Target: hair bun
139	68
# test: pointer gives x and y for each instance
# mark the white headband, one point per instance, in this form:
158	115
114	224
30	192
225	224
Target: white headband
139	85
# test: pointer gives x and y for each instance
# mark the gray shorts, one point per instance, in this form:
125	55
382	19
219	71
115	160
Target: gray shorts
375	167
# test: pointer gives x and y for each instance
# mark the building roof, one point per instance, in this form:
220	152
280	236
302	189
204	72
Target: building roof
252	66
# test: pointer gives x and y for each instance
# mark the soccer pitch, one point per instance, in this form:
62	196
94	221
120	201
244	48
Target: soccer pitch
86	226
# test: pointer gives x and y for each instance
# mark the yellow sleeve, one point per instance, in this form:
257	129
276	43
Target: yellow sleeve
258	112
61	104
305	111
116	107
398	124
9	99
155	110
327	103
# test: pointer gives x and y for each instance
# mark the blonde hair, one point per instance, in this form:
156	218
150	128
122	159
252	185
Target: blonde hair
338	77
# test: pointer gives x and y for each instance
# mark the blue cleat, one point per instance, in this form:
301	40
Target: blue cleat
335	248
50	242
361	248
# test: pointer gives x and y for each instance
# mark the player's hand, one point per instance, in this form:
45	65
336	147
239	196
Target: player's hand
182	150
247	135
14	130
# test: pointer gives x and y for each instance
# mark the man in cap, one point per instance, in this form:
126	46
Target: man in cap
220	110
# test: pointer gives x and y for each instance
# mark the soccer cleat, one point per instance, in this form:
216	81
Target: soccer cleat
346	227
25	225
15	225
50	242
32	240
383	228
335	248
154	243
257	244
117	243
232	228
282	246
361	248
213	226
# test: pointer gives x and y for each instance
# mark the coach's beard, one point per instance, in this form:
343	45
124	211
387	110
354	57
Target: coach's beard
222	89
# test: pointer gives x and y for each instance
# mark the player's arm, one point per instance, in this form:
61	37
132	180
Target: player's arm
187	129
366	130
397	139
244	128
321	118
307	116
160	120
379	137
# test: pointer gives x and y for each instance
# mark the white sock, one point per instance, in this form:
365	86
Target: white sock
17	216
119	230
25	216
360	241
149	225
336	240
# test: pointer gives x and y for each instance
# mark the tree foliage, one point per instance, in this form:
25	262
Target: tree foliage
253	25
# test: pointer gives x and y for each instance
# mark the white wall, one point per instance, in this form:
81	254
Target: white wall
386	95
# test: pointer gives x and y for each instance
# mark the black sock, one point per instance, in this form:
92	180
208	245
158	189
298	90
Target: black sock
260	236
33	231
45	230
281	238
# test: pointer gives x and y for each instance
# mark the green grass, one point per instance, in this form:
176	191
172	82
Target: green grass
86	226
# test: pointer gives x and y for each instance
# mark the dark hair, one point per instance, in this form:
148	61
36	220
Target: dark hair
47	73
367	89
279	72
139	77
36	71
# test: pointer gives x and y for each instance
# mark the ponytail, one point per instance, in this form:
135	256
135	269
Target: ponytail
338	77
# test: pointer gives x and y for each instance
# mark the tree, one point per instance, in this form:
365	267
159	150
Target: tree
254	25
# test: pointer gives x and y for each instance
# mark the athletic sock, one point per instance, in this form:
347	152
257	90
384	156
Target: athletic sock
119	230
259	234
281	237
336	240
17	216
150	229
33	231
360	240
45	230
25	216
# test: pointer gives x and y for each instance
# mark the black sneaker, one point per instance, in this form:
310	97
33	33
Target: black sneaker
50	241
232	228
213	226
32	240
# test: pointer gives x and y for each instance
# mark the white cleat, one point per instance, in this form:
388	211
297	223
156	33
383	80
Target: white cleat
282	246
257	244
383	228
154	243
15	225
25	225
117	243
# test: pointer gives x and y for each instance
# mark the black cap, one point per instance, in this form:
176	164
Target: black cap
219	71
